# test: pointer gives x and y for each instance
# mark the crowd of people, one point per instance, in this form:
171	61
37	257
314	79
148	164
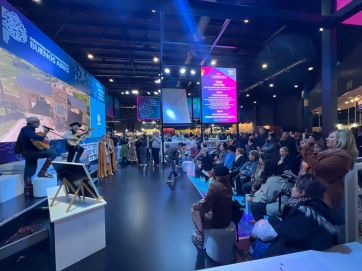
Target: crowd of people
294	181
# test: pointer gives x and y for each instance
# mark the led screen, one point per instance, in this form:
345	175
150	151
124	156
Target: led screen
175	107
98	117
219	100
148	108
354	19
109	106
196	107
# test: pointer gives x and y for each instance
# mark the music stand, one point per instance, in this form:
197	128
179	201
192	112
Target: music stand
76	180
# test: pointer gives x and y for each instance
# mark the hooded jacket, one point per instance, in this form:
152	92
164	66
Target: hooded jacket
217	204
308	226
330	167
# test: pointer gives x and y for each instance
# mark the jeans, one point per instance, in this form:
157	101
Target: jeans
156	155
173	163
143	154
71	152
31	160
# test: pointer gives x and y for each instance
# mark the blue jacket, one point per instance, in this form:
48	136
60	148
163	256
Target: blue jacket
229	160
249	168
27	134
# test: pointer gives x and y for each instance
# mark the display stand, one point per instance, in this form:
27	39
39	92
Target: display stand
78	232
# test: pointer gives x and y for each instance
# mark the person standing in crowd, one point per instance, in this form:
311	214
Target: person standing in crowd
112	151
143	151
262	136
76	149
307	223
31	154
149	150
115	139
124	150
105	153
173	154
138	144
132	154
287	141
213	211
332	165
156	146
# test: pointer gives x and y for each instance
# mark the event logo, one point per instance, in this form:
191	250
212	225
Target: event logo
13	27
99	120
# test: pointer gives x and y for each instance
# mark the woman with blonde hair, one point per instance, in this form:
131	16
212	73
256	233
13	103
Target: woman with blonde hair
343	140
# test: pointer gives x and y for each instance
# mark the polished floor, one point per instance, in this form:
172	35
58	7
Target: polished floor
148	225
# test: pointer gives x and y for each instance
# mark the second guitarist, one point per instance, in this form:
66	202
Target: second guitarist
72	150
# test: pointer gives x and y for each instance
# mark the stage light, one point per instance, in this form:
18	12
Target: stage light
155	59
264	66
193	72
241	106
296	86
274	96
254	102
213	62
156	93
310	68
167	70
90	56
135	91
189	94
198	83
246	21
248	95
122	93
158	81
127	92
111	80
159	91
182	70
321	29
153	11
271	85
149	93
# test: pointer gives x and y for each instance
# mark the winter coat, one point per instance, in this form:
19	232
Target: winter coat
308	226
249	168
237	164
229	160
270	191
217	204
330	167
272	149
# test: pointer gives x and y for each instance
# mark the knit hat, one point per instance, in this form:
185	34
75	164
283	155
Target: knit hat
30	120
75	123
220	170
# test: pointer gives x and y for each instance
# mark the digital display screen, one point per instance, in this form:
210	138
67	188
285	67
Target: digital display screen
354	19
174	106
148	108
109	106
196	107
219	99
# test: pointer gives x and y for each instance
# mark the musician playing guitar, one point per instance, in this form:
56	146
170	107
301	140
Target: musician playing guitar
73	135
31	154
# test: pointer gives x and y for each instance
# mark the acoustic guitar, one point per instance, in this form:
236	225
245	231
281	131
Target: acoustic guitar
78	137
41	145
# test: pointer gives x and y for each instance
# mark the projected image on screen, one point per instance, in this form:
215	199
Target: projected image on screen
174	106
28	91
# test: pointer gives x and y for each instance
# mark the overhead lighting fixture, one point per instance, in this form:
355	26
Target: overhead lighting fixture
90	56
158	81
111	80
264	66
274	96
213	62
159	91
321	29
189	94
37	1
311	68
122	93
271	85
193	72
167	70
148	93
197	83
156	93
296	86
248	95
135	91
182	70
246	21
127	92
153	11
254	102
156	59
346	102
339	109
241	106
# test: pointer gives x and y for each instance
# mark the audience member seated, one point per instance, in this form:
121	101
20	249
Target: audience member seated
285	162
332	165
229	157
222	154
273	193
214	211
261	137
205	166
250	146
257	178
246	171
237	163
307	224
271	146
287	141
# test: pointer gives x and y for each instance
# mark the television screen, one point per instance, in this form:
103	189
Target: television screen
174	106
148	108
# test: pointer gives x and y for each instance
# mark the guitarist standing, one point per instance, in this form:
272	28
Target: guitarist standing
31	154
71	135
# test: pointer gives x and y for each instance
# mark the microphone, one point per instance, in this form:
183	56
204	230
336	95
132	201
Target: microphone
48	128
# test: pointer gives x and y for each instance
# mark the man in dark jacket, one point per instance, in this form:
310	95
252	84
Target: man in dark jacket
214	211
172	156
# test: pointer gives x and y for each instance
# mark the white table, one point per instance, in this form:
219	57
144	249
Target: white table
346	257
78	233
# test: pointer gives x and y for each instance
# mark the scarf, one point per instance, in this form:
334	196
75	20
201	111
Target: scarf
293	202
237	157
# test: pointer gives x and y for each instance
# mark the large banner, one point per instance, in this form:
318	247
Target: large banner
37	78
148	108
219	98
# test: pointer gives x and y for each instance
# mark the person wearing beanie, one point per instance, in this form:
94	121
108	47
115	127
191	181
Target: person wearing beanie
31	154
213	211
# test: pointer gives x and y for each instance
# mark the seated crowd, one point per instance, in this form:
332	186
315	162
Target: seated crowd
295	184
